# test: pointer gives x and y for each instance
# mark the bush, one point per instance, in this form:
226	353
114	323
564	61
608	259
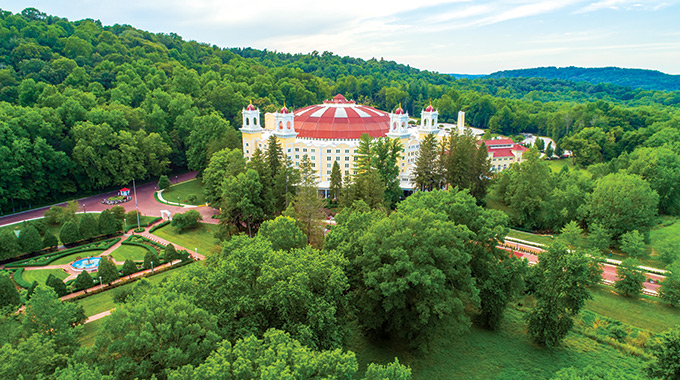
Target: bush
189	219
49	240
56	284
88	226
163	182
129	267
150	260
9	296
120	295
159	225
83	281
29	239
69	233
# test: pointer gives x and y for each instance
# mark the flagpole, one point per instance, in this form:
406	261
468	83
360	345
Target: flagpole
136	207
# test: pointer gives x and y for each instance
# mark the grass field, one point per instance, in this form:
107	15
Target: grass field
125	252
505	354
90	332
643	312
41	275
557	165
184	190
201	237
541	239
100	302
70	258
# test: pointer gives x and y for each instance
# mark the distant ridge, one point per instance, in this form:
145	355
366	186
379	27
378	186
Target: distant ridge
468	76
636	78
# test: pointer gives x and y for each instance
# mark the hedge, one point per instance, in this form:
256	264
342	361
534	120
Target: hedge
144	239
159	225
48	258
19	280
152	221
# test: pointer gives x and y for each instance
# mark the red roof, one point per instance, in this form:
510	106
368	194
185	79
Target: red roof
429	108
507	152
498	142
399	111
284	110
250	107
125	189
340	118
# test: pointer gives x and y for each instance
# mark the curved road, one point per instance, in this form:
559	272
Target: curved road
145	198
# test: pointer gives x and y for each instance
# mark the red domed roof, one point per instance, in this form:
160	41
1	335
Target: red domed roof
399	111
284	110
340	119
250	107
429	108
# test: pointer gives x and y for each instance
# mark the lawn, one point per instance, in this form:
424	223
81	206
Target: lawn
506	354
70	258
142	220
643	312
41	275
125	252
90	332
183	191
201	237
557	165
541	239
100	302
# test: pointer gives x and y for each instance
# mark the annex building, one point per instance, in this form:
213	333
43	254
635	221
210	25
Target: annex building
503	152
330	132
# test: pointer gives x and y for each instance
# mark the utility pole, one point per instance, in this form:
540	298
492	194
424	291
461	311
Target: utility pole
136	206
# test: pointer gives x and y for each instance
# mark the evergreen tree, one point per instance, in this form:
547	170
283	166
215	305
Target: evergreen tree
83	281
88	227
286	182
49	240
425	171
549	150
9	296
385	153
9	245
129	267
336	181
163	182
266	194
69	233
56	284
29	239
274	155
539	144
243	203
308	205
108	224
170	253
150	260
107	270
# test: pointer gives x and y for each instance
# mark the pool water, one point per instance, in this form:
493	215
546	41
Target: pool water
87	263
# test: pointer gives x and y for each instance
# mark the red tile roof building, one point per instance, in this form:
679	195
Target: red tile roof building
503	153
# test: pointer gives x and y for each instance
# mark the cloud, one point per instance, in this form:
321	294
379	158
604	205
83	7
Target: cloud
627	5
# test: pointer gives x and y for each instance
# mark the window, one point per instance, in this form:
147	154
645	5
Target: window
312	158
346	165
313	150
246	144
356	151
304	149
247	151
346	158
346	172
337	158
337	151
313	165
328	165
328	158
328	172
296	149
328	150
346	151
297	156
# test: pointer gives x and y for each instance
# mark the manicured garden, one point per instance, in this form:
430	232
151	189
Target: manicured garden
189	192
202	237
40	275
128	252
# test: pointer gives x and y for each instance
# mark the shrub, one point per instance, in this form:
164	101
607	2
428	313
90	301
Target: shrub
129	267
49	240
69	233
9	245
189	219
29	239
88	226
83	281
56	284
170	253
9	296
163	182
150	260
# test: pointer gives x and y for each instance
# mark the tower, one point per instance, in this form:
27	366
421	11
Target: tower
251	131
398	124
428	121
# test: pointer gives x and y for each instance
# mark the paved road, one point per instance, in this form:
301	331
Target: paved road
608	273
145	198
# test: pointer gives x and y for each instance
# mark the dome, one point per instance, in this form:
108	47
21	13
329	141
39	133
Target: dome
429	108
340	118
399	111
250	107
284	110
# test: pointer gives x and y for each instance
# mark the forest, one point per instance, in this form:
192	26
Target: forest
85	106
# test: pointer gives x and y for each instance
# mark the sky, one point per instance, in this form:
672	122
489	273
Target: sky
454	36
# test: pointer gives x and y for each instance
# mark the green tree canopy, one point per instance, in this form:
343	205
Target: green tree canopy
107	270
9	296
69	233
83	281
283	233
29	239
630	278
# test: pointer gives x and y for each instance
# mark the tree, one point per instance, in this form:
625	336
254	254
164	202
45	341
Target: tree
150	260
622	202
385	153
599	237
59	215
56	284
277	356
129	267
142	339
223	164
668	249
336	182
391	371
107	270
666	352
163	182
9	296
571	235
273	155
633	243
49	240
630	278
660	166
308	205
243	203
539	144
170	253
562	278
252	288
209	134
187	220
118	212
9	246
29	239
83	281
549	150
285	184
283	233
670	286
88	227
69	233
426	174
108	224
